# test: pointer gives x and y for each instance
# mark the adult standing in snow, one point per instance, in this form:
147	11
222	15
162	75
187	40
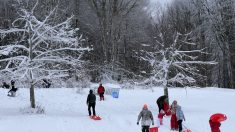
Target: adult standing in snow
160	102
146	118
174	124
101	91
180	117
163	106
91	102
12	92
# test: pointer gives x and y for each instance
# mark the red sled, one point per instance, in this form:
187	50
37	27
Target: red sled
218	117
153	129
96	118
187	130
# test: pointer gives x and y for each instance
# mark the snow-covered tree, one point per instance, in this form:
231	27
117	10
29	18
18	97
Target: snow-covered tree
174	64
41	49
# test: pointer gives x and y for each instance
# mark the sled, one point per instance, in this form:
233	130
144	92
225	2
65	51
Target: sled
153	129
95	117
187	130
218	117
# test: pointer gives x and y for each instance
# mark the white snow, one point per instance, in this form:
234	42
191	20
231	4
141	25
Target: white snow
66	110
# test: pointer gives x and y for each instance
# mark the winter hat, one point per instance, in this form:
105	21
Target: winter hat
145	106
175	101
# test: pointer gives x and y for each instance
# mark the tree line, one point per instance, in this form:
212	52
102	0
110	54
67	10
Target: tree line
128	41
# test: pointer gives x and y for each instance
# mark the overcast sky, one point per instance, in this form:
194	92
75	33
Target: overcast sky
161	1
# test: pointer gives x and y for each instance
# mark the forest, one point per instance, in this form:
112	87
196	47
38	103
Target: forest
182	43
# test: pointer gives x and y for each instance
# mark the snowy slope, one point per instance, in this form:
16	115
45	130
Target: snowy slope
66	110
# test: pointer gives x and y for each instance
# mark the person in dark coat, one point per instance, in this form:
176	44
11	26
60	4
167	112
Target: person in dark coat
5	85
12	92
101	91
163	108
214	126
160	102
146	117
91	102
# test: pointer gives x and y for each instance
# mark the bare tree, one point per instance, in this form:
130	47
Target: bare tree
173	64
41	48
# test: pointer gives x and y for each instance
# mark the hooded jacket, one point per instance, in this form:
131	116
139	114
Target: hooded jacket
91	98
179	113
146	116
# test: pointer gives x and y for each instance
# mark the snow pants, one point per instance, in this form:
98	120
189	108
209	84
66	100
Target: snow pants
91	105
145	128
180	125
101	96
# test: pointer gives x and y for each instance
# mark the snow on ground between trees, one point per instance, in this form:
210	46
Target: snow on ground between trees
66	110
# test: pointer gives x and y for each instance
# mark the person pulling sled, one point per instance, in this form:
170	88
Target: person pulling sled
146	118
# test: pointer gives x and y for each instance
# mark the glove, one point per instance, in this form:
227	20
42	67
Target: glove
137	123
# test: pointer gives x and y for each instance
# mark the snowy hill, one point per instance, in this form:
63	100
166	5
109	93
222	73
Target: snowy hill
66	110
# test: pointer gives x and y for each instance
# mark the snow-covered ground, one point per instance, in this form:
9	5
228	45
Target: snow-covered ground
66	110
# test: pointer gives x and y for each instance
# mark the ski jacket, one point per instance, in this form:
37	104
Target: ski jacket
179	113
214	126
91	98
146	117
101	90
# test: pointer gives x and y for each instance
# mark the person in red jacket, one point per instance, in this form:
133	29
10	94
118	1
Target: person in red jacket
101	91
214	126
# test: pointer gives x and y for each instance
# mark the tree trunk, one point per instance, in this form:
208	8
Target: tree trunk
32	96
166	93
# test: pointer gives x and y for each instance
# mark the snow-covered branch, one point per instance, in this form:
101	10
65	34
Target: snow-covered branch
46	49
175	63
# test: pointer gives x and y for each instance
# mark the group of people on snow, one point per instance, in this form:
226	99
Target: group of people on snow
146	116
12	91
176	113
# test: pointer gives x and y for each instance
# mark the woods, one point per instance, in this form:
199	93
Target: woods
122	36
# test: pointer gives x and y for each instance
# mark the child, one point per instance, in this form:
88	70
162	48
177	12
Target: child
180	117
146	118
174	124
